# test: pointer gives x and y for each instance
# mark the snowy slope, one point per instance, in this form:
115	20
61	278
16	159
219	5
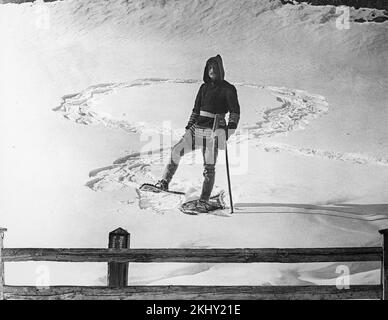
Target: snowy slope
80	82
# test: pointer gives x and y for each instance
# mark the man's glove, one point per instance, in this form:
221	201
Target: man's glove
193	118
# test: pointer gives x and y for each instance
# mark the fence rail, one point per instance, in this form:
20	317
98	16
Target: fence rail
118	255
235	255
195	293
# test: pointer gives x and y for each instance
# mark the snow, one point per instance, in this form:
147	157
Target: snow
84	85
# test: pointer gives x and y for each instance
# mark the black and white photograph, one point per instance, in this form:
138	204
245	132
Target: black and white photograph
208	152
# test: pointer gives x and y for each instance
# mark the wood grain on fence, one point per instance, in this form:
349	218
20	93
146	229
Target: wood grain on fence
233	255
384	263
2	230
195	292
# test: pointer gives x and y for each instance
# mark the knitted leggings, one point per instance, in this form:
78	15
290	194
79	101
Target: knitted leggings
194	139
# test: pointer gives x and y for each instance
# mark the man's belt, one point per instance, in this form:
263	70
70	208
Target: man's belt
210	115
207	114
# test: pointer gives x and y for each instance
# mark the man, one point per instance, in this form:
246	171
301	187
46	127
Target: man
215	97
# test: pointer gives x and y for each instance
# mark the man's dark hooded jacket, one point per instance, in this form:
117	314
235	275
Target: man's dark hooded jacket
215	97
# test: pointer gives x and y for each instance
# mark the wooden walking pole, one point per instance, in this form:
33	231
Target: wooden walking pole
215	127
2	280
216	123
227	173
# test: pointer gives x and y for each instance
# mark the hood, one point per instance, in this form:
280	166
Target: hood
220	72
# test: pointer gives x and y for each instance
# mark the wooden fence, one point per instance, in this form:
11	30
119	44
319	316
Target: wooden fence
118	256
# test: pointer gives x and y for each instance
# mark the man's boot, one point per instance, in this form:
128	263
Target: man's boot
162	185
203	206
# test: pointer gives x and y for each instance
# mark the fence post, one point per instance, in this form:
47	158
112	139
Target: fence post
2	230
118	271
384	265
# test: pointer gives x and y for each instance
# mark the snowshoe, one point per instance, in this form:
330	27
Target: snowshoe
195	207
160	186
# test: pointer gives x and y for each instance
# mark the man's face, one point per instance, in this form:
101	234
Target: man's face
212	71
